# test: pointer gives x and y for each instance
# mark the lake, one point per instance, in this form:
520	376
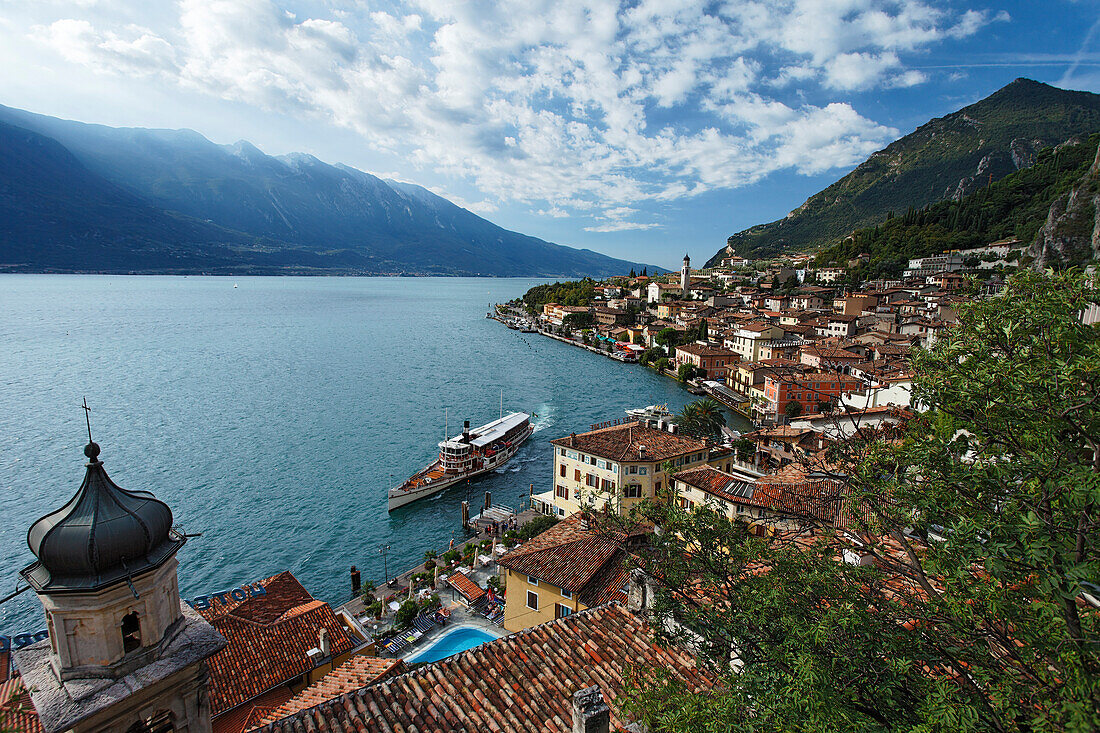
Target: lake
272	414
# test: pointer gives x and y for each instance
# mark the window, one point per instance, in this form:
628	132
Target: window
642	470
561	512
561	470
657	486
532	600
591	480
561	492
576	474
131	632
606	484
561	451
632	491
633	469
532	581
566	593
561	610
161	722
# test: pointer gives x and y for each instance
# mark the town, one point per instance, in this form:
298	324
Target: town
823	367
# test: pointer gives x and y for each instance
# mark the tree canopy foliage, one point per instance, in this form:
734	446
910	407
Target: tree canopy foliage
957	591
574	292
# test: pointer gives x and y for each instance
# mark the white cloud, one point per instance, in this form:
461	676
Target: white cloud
620	226
571	105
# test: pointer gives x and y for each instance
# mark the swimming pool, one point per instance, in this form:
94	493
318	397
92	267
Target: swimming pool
456	640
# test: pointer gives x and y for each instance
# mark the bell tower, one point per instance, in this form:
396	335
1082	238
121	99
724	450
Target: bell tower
124	654
685	277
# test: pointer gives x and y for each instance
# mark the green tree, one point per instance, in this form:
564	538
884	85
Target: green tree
702	418
406	613
578	320
973	604
669	338
684	372
661	364
792	409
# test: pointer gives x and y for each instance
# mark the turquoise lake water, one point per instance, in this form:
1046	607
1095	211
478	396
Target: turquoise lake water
273	416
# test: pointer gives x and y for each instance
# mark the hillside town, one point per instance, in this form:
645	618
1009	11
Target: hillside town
820	365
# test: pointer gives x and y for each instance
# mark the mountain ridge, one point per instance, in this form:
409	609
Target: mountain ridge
945	158
304	214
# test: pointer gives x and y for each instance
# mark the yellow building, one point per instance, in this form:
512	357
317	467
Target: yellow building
617	467
566	569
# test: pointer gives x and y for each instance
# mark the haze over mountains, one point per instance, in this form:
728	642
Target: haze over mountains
946	158
89	198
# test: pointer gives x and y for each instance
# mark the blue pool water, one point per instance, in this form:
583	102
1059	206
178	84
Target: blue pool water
458	639
272	414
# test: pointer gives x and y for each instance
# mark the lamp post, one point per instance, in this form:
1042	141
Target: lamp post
385	562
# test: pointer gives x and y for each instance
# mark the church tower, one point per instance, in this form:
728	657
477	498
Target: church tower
123	654
685	277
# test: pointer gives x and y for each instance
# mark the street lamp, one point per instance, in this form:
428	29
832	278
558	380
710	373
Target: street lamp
385	562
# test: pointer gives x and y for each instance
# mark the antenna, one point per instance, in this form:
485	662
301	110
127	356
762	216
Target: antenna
88	419
446	425
501	403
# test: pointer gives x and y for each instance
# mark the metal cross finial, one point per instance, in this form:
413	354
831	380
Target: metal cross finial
88	419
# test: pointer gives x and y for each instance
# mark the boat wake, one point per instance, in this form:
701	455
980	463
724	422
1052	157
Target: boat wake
545	417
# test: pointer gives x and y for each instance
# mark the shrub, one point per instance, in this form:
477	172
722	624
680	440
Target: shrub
408	611
536	526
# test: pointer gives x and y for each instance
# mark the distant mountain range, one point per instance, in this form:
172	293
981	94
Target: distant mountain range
946	158
88	198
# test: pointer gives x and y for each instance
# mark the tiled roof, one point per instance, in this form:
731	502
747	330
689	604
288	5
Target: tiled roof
465	586
268	637
355	673
523	683
720	484
583	561
621	443
17	713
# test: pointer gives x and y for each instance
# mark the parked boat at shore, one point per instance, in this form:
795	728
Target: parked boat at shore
469	454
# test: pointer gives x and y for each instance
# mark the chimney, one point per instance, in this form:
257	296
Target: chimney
590	713
323	643
572	440
584	521
636	598
641	451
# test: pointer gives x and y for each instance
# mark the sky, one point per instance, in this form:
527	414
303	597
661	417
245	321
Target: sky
642	130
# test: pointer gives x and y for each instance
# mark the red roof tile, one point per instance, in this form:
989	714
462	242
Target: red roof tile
17	713
355	673
523	683
582	561
468	588
622	443
268	637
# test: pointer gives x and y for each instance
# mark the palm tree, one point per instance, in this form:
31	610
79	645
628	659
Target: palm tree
702	417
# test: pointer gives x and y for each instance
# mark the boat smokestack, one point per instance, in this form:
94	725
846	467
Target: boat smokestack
356	581
466	430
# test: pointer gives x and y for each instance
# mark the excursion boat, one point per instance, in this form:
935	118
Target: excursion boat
469	454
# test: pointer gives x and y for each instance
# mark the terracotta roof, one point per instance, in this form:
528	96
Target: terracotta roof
580	560
471	590
268	637
248	716
17	713
719	483
355	673
621	443
523	683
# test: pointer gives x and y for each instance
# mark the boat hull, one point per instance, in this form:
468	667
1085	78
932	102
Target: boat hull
400	497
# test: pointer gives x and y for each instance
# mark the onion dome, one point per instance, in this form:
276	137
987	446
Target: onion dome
103	535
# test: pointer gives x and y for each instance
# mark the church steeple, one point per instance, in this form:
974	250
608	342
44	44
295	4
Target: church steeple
685	277
124	654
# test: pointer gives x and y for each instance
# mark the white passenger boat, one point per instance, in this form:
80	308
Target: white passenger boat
469	454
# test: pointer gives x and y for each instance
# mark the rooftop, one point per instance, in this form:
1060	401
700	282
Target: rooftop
629	441
571	556
268	637
356	673
522	683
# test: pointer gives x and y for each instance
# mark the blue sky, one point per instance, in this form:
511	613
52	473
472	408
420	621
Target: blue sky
641	130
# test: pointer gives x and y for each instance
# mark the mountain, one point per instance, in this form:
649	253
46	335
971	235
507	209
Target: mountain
1048	211
193	205
945	158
